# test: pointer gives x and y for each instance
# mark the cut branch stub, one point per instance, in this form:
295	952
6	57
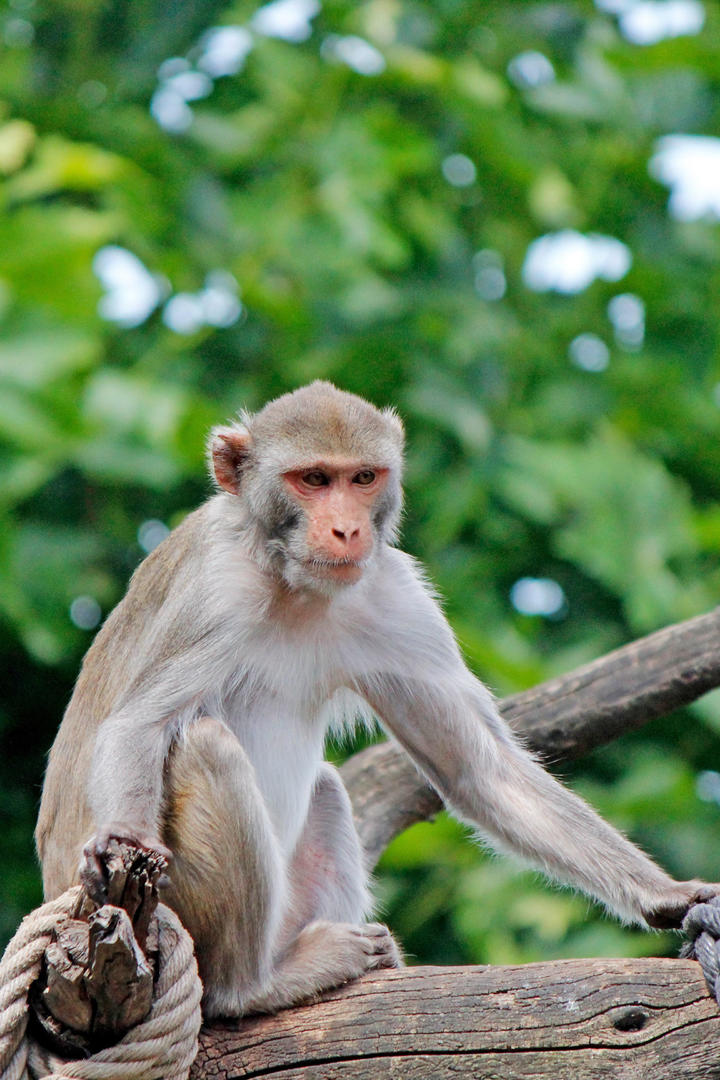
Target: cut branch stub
120	980
99	970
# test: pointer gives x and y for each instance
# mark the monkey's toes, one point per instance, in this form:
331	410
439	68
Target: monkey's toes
385	951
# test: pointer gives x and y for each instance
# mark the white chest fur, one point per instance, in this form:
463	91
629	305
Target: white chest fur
286	749
287	661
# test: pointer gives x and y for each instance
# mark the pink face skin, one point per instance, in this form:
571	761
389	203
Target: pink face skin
337	498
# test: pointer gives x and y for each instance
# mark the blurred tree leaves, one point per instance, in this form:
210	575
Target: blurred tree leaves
362	212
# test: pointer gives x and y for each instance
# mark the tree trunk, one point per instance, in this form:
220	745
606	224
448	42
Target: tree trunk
566	1020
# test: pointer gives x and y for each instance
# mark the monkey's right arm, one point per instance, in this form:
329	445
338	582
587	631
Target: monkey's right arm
125	782
103	780
489	780
147	670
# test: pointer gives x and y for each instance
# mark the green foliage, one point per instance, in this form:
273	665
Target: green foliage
357	254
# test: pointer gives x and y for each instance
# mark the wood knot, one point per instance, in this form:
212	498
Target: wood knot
629	1019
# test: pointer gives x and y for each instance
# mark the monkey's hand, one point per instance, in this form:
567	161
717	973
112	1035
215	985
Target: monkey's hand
668	911
93	866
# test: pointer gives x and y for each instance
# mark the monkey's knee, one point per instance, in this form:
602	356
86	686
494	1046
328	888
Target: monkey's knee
213	814
226	879
206	750
204	763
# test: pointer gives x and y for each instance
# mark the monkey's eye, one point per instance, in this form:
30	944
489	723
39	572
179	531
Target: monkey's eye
364	478
315	479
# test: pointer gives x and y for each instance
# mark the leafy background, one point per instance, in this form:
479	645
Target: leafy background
357	201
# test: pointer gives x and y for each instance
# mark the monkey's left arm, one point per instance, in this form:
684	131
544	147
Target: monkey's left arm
449	724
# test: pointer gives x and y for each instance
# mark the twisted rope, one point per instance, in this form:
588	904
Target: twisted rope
161	1047
702	926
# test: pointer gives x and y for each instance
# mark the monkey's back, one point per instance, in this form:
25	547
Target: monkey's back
115	660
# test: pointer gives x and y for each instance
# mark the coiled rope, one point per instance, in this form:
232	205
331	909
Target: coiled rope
161	1047
702	927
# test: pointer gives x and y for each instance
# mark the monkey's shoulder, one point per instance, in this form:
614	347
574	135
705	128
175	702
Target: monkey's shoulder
134	620
403	583
175	566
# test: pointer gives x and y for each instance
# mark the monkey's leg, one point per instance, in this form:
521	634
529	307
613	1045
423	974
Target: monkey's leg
327	872
228	880
324	940
229	883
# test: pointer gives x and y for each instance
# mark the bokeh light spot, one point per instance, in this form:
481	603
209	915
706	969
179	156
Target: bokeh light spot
85	612
538	596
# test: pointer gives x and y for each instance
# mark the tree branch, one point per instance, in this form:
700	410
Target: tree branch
567	716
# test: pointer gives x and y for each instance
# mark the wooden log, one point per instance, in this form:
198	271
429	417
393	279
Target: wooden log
565	1020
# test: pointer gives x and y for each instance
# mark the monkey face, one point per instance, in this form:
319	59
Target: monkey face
336	534
317	472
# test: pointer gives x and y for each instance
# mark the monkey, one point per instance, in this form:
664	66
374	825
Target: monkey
278	611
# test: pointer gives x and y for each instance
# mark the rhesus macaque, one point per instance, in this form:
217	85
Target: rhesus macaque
275	611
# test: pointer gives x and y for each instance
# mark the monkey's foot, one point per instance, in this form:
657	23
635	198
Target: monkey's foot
324	955
360	948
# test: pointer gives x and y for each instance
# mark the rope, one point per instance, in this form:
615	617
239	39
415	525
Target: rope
162	1047
702	926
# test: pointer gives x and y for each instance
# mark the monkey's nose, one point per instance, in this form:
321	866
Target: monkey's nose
348	542
346	535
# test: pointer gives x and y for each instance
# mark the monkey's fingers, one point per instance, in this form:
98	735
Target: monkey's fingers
669	915
93	869
93	875
126	834
705	892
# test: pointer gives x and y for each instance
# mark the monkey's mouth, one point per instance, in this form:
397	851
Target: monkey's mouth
337	569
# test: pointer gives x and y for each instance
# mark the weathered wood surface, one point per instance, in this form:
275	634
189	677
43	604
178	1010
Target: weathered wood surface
560	719
566	1020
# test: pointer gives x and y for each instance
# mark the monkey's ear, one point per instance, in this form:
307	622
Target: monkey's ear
229	451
